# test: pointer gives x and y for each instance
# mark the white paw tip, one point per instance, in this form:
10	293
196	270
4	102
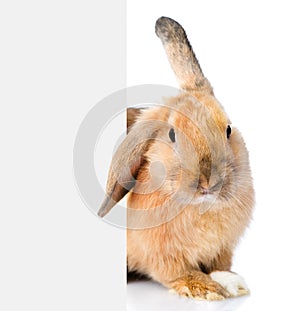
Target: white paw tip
233	283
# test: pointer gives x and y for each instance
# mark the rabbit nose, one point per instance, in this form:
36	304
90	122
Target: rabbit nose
204	184
204	190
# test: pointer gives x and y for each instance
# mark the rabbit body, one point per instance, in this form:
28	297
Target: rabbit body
190	194
202	236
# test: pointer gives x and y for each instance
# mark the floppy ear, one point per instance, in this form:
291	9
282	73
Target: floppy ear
126	163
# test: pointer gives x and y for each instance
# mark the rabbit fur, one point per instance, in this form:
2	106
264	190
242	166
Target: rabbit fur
186	174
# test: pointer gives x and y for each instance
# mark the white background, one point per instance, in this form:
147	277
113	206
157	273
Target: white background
58	59
250	53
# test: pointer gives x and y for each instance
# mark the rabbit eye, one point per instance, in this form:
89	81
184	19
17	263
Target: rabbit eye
172	135
228	131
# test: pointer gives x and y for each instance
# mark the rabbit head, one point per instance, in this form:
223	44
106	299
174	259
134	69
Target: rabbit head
182	153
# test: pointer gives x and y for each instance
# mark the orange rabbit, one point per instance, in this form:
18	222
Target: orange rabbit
189	185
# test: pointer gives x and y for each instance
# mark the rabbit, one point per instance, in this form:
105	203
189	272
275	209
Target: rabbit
185	170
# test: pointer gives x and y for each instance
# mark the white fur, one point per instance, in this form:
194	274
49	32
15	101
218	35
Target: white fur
210	198
232	282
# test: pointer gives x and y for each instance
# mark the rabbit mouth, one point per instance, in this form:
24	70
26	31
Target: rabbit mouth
204	198
207	193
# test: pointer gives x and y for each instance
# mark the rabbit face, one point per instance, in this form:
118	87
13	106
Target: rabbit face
190	160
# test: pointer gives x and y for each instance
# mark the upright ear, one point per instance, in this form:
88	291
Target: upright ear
126	163
181	56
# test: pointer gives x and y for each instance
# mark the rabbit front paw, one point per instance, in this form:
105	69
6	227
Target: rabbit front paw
232	282
200	286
